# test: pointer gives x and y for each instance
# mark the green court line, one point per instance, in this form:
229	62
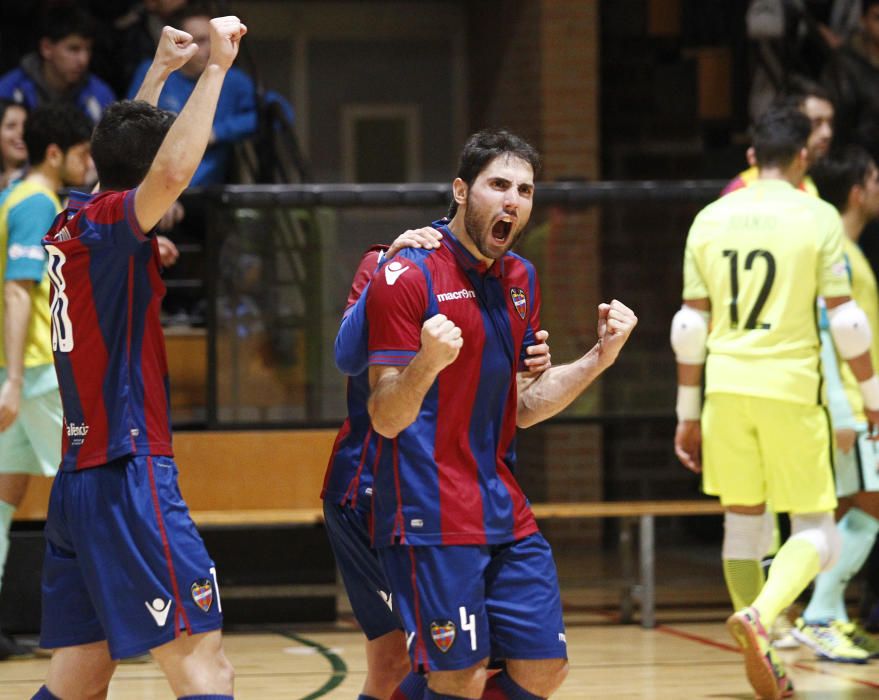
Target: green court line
340	669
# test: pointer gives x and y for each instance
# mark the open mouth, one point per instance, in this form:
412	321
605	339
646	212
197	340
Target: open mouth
501	230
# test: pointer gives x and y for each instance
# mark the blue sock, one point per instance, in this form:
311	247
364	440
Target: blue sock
44	694
412	687
858	532
366	697
206	697
501	686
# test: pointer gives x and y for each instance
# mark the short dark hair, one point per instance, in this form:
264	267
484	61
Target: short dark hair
797	89
780	133
66	19
839	171
61	123
866	5
486	145
126	141
6	104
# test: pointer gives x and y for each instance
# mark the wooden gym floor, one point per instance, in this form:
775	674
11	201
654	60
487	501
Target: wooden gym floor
690	655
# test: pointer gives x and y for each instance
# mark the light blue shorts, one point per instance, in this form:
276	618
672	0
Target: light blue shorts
856	471
32	444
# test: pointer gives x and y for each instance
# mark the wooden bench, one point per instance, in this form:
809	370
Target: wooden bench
640	587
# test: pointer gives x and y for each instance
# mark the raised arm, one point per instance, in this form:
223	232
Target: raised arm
173	51
554	390
185	143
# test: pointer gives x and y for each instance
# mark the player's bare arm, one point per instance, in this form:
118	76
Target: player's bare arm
17	315
397	393
689	337
557	387
173	51
853	337
186	141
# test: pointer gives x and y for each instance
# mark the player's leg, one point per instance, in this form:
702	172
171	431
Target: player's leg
195	665
439	594
733	470
31	446
79	672
387	662
525	618
12	490
81	666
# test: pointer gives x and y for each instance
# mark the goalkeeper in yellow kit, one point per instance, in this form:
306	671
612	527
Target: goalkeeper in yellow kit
755	262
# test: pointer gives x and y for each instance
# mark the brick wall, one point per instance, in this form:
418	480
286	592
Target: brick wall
534	70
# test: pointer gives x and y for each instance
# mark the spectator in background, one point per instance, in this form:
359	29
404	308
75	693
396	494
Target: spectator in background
853	80
13	152
59	70
236	115
133	40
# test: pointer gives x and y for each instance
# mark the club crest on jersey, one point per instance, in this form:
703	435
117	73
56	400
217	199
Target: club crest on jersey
520	301
443	634
203	593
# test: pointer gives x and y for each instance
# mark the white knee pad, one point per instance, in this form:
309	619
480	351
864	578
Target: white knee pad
689	333
742	536
819	530
850	329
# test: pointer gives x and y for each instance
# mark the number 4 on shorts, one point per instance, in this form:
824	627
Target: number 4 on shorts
468	624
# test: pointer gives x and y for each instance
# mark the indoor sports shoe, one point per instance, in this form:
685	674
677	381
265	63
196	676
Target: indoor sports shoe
781	635
859	636
765	671
829	642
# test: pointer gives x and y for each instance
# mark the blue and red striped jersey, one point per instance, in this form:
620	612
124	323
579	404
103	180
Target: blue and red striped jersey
106	336
348	478
448	479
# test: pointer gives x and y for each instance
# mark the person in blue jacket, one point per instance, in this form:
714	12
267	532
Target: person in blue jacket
59	70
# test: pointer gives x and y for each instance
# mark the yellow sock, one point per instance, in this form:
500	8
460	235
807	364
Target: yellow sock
744	579
795	565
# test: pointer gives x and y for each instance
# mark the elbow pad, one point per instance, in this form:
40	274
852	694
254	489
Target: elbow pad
689	335
850	329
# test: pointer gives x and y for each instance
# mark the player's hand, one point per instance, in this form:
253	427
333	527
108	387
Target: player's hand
174	49
441	341
10	402
168	252
540	360
427	237
845	439
688	444
226	35
616	321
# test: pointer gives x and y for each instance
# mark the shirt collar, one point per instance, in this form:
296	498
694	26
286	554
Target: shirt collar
464	257
77	200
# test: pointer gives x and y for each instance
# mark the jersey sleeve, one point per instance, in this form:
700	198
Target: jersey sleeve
352	339
395	308
694	283
111	216
833	279
28	221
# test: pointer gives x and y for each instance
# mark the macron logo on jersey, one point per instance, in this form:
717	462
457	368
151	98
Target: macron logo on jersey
393	271
460	294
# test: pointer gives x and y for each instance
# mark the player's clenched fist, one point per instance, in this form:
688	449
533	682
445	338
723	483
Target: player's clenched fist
226	34
175	48
616	321
441	341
